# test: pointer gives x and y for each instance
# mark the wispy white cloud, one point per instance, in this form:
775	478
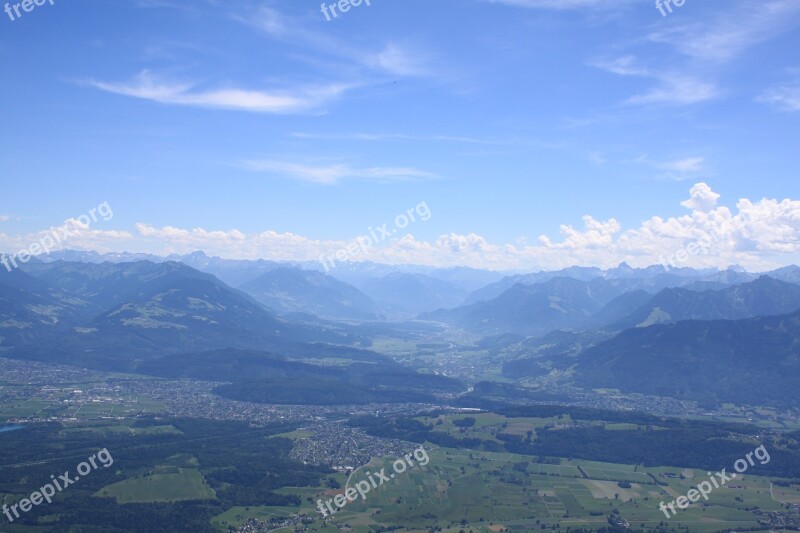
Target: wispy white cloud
148	86
697	48
786	98
336	173
393	58
672	88
679	169
688	165
678	89
4	218
622	66
732	30
596	157
398	60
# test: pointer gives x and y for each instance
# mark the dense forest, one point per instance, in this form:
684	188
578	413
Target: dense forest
240	463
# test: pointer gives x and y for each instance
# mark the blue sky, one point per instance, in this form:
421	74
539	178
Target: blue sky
539	133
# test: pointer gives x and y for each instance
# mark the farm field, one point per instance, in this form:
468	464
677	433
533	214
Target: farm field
490	492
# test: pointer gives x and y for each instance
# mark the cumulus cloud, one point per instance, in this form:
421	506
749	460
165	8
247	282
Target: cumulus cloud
758	235
702	198
73	234
595	234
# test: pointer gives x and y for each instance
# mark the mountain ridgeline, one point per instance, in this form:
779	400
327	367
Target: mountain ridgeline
167	319
750	361
616	304
738	344
764	296
287	290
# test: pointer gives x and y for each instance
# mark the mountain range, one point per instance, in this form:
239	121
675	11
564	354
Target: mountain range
708	335
617	303
764	296
115	315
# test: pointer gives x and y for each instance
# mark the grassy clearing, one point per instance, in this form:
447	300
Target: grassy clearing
164	484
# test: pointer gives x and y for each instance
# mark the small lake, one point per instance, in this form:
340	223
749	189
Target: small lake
3	429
